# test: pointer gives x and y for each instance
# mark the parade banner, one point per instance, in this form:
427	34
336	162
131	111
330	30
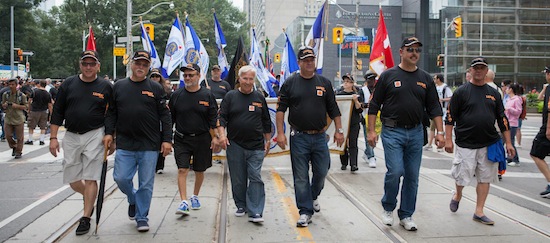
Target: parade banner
345	105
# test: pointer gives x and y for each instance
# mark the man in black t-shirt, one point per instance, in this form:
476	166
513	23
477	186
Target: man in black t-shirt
245	114
309	97
218	87
40	108
194	110
403	94
53	91
81	103
473	110
139	117
541	144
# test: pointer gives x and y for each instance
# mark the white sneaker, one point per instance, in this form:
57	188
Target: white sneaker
518	145
387	218
304	220
364	157
372	162
316	205
513	164
160	171
428	148
408	224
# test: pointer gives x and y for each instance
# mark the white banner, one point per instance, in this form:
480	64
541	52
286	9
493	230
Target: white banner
345	105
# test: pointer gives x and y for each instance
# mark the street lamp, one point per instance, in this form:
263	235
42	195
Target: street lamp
129	15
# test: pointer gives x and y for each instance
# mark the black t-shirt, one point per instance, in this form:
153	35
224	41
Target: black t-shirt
246	117
355	113
405	96
545	110
81	104
40	100
473	110
218	88
193	112
53	93
309	101
139	115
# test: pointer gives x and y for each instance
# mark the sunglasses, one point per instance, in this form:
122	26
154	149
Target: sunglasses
88	64
155	76
411	50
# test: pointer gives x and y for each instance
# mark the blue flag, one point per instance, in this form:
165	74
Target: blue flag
150	47
173	54
289	62
221	44
265	78
315	38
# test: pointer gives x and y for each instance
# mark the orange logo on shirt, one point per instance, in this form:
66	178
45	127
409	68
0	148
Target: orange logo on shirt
204	103
397	84
148	93
257	104
423	85
321	88
490	97
98	95
222	87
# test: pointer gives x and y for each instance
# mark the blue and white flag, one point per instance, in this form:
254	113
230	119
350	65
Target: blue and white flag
265	78
194	51
289	62
174	52
221	44
315	38
150	47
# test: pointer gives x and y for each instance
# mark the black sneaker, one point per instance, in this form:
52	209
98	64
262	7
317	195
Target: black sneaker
546	193
142	226
13	152
83	226
17	156
132	212
29	142
42	143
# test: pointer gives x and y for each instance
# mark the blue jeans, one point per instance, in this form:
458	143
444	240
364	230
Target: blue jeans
513	132
369	151
303	149
403	153
2	123
127	163
245	167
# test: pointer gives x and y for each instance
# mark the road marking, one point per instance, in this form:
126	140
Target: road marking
33	205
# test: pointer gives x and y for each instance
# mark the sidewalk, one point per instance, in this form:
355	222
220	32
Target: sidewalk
350	212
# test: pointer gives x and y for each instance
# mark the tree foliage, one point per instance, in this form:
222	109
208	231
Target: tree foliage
56	37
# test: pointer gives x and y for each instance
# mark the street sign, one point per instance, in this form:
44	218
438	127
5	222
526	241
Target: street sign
28	53
27	67
124	39
119	51
351	38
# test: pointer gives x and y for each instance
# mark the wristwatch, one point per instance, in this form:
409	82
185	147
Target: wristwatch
341	130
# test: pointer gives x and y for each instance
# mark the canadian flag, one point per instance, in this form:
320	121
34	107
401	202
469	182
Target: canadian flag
91	41
381	57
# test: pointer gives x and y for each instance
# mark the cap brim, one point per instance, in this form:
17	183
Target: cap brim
142	58
479	63
306	56
155	73
90	56
187	68
412	43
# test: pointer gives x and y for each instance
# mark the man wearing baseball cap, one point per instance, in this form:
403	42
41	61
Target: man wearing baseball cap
403	94
475	107
80	105
137	108
541	144
309	97
218	87
368	89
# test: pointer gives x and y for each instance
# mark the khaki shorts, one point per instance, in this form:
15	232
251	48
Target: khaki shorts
83	155
39	118
471	166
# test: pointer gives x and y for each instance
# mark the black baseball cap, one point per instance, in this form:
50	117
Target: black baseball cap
191	66
305	52
348	77
370	74
89	53
409	41
546	70
479	61
142	55
216	67
155	71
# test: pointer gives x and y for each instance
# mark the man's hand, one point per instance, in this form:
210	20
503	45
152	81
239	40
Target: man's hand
338	138
439	141
166	148
372	138
511	152
215	145
266	148
449	146
54	147
223	141
281	140
108	142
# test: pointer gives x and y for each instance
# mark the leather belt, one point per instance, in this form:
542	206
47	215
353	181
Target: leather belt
181	135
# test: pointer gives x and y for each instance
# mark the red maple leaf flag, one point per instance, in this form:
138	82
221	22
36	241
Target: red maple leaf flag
381	56
91	41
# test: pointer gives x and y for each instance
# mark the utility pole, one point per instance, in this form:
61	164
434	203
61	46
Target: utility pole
12	56
354	55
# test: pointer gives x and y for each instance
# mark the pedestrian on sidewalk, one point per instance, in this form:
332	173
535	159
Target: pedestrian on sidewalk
444	93
14	103
81	102
41	105
473	111
194	110
541	144
140	119
155	76
404	94
245	114
512	110
368	89
351	151
309	97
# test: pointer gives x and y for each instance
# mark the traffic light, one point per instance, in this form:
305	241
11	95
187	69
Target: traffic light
277	57
337	35
441	60
150	29
18	55
359	63
457	25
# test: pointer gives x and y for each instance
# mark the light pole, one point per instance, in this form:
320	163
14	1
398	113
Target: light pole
11	43
354	43
129	15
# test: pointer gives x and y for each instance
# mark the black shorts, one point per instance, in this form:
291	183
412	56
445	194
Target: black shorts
541	145
197	147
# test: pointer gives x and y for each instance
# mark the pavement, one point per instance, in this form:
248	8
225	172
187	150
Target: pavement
350	212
